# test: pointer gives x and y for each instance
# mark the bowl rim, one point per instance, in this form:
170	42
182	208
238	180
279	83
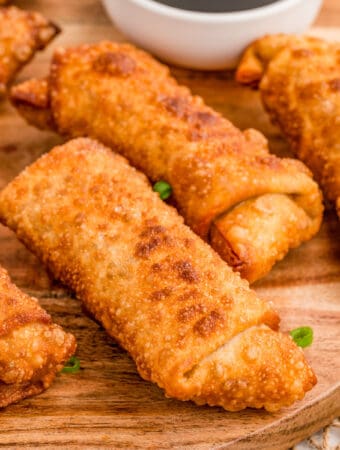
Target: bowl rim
227	17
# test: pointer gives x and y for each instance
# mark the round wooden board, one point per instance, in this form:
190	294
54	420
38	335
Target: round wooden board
107	404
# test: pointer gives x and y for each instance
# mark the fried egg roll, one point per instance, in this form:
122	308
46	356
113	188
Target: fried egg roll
32	348
126	99
190	323
299	81
22	34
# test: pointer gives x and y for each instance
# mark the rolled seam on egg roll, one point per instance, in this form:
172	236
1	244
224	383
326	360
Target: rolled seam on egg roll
32	348
299	81
126	99
191	324
22	34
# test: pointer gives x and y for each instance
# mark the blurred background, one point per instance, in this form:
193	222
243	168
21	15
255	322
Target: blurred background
330	14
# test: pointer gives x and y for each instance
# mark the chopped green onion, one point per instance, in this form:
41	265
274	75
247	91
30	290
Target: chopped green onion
302	336
163	188
72	365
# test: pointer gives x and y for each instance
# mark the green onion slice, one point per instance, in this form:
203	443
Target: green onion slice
163	188
72	365
302	336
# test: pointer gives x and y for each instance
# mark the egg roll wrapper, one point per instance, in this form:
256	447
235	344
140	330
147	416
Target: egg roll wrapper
154	285
259	231
32	348
299	81
22	34
129	101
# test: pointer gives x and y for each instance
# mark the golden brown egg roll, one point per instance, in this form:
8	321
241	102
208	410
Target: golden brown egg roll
190	323
126	99
32	348
22	34
299	81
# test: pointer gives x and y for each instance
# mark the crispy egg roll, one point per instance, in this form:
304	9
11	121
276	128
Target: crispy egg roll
22	34
299	81
123	97
32	348
190	323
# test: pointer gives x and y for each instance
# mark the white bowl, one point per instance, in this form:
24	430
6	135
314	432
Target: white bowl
207	41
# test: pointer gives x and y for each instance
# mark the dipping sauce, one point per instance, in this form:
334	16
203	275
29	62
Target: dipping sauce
216	6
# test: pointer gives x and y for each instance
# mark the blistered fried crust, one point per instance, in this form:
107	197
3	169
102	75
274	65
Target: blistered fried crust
300	87
273	370
123	97
159	290
260	231
22	33
258	55
32	348
32	101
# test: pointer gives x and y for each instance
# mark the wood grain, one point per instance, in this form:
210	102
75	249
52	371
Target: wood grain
106	404
330	14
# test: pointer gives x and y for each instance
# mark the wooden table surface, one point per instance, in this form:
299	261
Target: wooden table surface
106	404
330	14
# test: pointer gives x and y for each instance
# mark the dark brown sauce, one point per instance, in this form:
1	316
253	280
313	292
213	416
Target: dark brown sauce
216	6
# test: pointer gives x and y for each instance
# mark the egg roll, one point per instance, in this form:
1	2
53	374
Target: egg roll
22	34
299	81
32	348
123	97
190	323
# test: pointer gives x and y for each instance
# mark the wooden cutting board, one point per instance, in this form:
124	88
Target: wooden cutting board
107	404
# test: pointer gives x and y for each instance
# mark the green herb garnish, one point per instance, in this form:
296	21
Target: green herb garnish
163	188
72	365
302	336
